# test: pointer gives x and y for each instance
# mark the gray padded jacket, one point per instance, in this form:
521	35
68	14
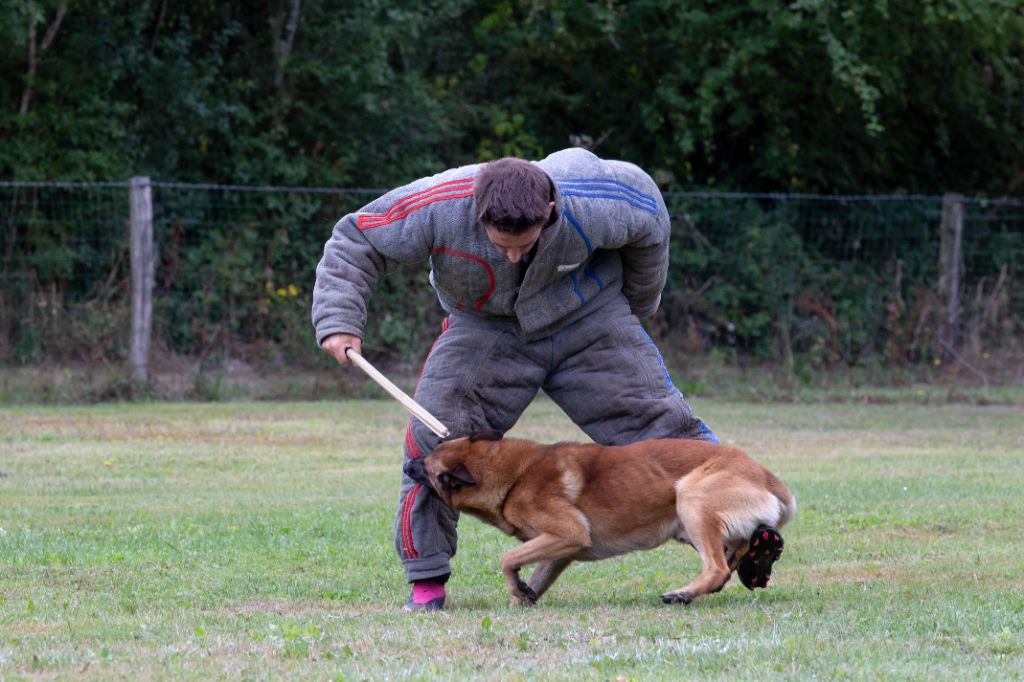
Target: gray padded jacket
610	237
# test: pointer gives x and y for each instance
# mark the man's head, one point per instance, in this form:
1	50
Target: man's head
514	203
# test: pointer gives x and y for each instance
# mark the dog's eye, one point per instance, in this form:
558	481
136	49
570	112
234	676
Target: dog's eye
456	479
449	482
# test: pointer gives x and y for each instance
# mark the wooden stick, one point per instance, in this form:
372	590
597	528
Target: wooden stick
429	420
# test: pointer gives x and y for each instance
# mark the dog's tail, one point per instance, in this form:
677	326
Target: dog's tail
784	498
788	509
754	507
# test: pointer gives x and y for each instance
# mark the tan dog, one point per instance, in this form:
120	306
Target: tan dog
574	502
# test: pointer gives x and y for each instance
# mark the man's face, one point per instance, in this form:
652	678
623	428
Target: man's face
514	246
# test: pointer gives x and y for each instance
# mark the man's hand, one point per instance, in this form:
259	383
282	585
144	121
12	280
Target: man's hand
337	344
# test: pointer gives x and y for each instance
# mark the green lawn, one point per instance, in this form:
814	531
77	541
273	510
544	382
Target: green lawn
253	541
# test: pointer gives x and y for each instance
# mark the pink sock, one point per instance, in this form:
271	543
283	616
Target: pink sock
424	591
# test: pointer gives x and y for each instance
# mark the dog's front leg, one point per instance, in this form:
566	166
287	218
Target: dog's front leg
545	574
543	547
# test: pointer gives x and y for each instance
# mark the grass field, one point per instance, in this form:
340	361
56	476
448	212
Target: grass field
253	541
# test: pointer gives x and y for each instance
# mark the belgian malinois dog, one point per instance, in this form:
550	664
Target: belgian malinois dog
582	502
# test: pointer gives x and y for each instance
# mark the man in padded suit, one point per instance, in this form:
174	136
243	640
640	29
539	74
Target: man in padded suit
545	269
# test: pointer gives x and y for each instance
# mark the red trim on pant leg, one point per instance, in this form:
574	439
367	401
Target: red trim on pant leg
444	328
410	444
413	554
402	525
406	523
405	518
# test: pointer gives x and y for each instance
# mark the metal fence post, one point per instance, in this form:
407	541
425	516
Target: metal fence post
142	276
950	269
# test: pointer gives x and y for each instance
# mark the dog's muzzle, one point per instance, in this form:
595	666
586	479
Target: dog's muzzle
415	470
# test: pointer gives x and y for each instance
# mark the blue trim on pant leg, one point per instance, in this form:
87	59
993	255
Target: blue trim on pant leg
661	363
708	434
705	432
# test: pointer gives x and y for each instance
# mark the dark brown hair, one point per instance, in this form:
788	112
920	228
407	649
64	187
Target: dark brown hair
512	195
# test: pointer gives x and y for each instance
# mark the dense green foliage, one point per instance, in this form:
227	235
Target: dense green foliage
814	95
898	96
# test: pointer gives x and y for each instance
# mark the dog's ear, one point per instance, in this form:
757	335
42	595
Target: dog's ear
485	435
456	478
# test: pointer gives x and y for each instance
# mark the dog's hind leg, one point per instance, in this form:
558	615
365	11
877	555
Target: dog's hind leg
697	507
705	534
734	552
545	574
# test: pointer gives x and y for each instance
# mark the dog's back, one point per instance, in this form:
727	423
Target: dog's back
630	495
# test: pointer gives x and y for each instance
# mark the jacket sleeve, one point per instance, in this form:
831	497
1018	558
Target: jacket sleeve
645	255
357	253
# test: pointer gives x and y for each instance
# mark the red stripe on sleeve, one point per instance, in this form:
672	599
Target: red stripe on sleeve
453	189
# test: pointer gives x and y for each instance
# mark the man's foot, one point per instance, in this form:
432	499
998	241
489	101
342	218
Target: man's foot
427	595
755	568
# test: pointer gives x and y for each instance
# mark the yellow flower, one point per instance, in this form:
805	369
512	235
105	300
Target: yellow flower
282	292
293	290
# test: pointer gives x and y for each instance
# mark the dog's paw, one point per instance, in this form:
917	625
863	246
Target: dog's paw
677	597
526	596
755	568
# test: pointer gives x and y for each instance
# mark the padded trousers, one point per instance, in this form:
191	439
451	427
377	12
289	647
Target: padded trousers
603	371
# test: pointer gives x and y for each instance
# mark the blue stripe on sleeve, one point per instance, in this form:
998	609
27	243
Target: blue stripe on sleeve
583	235
617	197
594	184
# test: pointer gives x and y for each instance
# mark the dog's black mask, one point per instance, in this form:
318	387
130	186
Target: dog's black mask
450	481
415	470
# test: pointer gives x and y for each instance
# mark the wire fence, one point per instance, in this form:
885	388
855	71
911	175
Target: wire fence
833	280
844	280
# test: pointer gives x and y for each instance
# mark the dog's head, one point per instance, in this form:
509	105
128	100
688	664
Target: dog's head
456	468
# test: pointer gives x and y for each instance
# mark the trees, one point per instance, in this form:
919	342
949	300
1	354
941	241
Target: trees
829	96
818	95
